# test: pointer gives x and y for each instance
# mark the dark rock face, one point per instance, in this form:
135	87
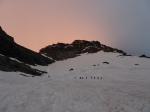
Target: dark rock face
9	65
110	49
61	51
9	48
82	44
90	49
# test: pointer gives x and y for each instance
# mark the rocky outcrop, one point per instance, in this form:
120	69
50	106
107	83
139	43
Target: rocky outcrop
144	56
9	48
61	51
9	65
90	49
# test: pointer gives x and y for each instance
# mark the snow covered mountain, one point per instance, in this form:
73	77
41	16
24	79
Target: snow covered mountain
14	57
61	51
86	76
99	82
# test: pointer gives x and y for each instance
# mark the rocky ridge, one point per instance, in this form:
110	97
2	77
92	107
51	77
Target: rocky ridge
14	57
10	48
61	51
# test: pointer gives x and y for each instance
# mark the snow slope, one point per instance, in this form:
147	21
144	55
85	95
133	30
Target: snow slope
81	84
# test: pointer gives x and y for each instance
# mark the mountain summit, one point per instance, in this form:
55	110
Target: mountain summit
61	51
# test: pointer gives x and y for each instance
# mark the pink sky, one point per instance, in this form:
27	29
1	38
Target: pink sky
36	24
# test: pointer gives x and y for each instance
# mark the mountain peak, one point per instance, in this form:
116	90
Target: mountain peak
61	51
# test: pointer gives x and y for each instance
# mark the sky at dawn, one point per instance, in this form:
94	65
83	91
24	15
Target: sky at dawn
124	24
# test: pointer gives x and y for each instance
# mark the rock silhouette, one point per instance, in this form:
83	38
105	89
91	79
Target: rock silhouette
21	56
9	48
61	51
